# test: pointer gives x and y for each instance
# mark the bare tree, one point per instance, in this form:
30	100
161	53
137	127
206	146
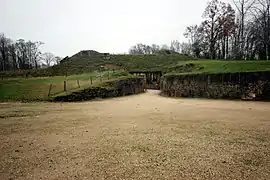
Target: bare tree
164	47
186	48
216	17
33	52
175	46
22	54
262	17
144	49
192	33
57	59
48	58
4	44
243	7
138	49
226	34
155	48
13	53
198	38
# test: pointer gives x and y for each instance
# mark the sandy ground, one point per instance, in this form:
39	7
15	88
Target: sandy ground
137	137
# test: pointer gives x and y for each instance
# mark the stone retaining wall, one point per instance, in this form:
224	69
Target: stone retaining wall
115	88
248	85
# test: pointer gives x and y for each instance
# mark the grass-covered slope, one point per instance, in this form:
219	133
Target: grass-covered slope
158	62
128	62
216	66
168	63
86	64
38	88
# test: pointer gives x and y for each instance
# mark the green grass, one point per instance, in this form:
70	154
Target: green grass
38	88
160	62
15	87
215	66
168	63
80	65
105	83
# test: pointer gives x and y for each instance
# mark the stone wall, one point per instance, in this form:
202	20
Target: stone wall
108	89
248	85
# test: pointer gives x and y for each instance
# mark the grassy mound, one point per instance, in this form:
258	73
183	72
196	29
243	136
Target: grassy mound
86	64
168	63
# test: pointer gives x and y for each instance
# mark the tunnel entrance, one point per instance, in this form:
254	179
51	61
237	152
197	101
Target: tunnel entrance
152	78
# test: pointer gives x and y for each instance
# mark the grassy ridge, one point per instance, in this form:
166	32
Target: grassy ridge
215	66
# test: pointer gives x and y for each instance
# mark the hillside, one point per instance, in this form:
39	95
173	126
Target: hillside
83	63
91	61
80	64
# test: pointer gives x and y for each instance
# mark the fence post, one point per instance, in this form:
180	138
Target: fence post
78	82
91	80
65	86
50	90
108	75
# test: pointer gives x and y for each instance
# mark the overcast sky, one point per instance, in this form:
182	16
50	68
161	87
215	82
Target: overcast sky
68	26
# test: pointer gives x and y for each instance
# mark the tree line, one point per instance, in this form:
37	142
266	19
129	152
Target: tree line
240	31
174	47
22	55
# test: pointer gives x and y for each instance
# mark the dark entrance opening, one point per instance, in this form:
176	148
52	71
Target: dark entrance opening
152	78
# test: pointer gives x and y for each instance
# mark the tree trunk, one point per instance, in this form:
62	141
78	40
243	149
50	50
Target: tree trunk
212	42
14	61
223	47
242	32
36	64
227	47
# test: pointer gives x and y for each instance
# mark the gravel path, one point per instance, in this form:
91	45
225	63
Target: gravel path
136	137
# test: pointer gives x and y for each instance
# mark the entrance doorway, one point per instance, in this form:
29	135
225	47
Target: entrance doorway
152	78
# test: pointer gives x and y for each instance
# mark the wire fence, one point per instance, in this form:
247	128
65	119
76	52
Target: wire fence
75	83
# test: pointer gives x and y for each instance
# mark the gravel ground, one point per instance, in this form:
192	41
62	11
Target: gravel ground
136	137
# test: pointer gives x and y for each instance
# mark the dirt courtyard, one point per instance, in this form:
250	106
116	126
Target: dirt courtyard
136	137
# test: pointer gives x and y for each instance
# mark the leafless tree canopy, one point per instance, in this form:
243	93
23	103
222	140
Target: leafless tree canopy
174	47
239	31
229	31
21	54
48	58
